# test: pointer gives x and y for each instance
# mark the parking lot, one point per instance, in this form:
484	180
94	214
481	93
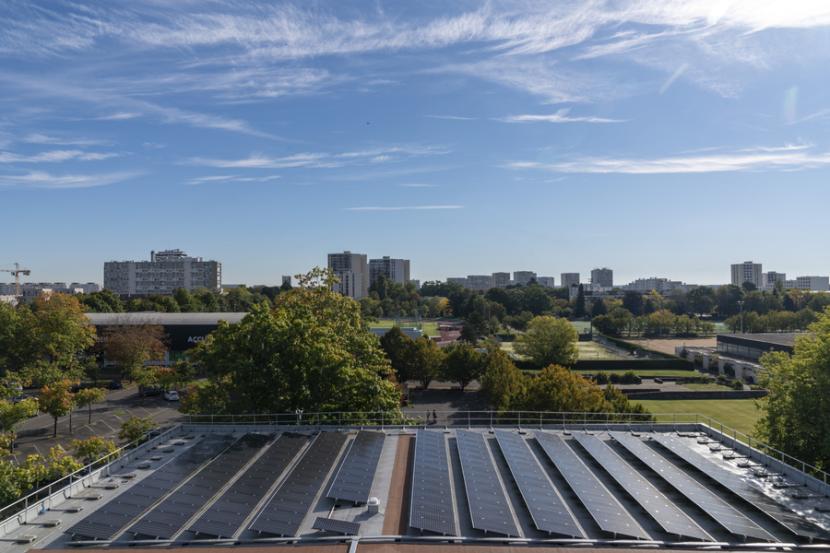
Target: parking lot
35	434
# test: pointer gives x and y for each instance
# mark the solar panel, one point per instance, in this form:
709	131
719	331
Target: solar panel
168	517
284	513
667	515
106	523
489	506
337	526
227	513
547	508
744	488
353	481
722	512
601	504
431	506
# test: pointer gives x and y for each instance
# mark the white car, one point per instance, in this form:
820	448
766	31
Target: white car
171	395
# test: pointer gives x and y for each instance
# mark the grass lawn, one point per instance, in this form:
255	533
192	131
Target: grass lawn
594	350
646	373
430	328
740	414
709	386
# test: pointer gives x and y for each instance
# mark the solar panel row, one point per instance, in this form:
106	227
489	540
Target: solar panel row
227	513
335	526
167	518
547	508
104	524
603	507
665	513
354	479
722	512
742	487
431	506
489	507
284	513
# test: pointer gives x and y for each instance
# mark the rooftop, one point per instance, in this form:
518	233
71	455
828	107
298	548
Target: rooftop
604	485
786	339
166	319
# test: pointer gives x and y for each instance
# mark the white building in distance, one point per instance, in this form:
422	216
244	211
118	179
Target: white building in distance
546	281
166	272
747	272
501	280
603	277
771	278
813	283
523	277
569	279
395	270
353	271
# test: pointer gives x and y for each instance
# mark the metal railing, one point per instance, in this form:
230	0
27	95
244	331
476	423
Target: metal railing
18	509
519	419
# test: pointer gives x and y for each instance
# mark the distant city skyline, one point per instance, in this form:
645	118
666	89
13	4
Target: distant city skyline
662	138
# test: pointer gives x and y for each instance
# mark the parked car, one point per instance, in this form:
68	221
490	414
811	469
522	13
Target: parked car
115	385
171	395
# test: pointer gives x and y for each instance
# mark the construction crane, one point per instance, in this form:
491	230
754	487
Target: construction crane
17	271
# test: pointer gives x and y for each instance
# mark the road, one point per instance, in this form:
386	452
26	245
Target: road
35	434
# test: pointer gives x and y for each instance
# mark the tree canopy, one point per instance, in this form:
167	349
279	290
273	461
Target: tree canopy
311	351
548	340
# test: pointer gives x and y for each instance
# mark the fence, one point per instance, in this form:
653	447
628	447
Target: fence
520	419
46	497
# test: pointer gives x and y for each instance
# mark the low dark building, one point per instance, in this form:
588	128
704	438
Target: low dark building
753	346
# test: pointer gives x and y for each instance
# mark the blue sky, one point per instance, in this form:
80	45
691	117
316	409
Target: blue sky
658	138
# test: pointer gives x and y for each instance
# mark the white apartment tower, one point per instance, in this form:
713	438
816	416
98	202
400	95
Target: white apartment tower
353	272
395	270
166	272
747	272
603	277
569	279
523	277
501	280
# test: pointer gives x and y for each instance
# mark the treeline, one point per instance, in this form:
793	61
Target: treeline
239	299
554	388
774	321
620	322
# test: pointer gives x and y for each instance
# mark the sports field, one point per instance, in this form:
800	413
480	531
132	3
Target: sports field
430	328
658	373
595	350
740	414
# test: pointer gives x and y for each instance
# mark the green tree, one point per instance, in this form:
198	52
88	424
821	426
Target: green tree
556	388
399	349
701	300
93	448
633	302
18	337
579	304
311	351
13	413
56	399
502	383
796	412
427	361
63	332
134	428
86	397
462	364
131	346
548	340
598	308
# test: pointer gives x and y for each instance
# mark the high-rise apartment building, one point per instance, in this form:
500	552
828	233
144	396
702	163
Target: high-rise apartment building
771	278
546	281
523	277
813	283
501	280
569	279
166	272
353	271
480	283
395	270
747	272
603	277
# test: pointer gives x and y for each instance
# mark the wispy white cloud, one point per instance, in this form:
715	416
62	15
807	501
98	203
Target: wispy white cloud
55	156
320	159
783	158
451	117
561	116
405	208
417	185
673	77
40	179
119	116
231	178
54	140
